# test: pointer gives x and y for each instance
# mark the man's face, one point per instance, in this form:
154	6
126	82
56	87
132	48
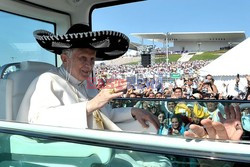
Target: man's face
81	64
196	120
151	95
190	82
171	106
158	95
178	93
132	96
212	106
145	105
167	92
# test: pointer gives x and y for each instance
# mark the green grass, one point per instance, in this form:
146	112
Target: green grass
162	59
207	56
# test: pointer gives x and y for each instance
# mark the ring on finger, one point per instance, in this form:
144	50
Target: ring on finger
111	91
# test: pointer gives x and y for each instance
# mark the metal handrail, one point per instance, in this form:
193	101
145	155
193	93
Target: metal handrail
6	66
200	148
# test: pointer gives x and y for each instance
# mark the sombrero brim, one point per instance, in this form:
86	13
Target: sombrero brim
108	44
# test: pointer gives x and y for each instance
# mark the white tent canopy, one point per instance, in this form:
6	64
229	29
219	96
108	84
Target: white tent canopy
233	62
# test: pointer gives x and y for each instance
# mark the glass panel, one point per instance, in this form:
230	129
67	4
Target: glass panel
18	150
17	40
168	56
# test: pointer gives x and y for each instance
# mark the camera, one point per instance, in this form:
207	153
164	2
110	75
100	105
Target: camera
207	95
204	90
206	81
238	75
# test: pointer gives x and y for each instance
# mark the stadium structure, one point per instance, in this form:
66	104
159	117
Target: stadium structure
195	41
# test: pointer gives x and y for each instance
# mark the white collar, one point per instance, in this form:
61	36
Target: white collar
67	76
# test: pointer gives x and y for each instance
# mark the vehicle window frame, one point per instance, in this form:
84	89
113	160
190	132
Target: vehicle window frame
198	148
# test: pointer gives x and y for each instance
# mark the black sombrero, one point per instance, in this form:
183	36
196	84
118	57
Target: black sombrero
108	44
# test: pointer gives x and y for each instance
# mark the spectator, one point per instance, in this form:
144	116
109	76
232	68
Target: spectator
158	84
189	88
167	93
213	86
196	115
163	130
245	119
169	112
151	94
177	93
213	109
224	91
176	127
159	95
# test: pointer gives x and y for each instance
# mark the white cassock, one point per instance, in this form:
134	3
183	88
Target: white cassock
52	100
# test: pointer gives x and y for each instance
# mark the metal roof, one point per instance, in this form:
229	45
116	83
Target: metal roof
134	46
193	36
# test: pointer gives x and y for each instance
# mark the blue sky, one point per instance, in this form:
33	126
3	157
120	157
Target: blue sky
175	16
142	17
17	41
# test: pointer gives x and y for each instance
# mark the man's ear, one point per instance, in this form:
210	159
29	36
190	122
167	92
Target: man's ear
64	58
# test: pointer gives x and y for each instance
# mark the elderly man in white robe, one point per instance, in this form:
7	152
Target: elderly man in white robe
64	96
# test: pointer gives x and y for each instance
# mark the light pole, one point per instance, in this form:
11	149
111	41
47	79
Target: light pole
199	46
230	45
166	46
153	53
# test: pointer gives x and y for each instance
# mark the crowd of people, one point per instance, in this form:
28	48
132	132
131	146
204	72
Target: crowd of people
157	80
175	116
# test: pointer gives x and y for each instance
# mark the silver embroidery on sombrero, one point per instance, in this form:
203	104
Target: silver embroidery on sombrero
76	35
61	36
101	44
86	34
57	38
115	52
81	35
61	45
66	36
45	38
